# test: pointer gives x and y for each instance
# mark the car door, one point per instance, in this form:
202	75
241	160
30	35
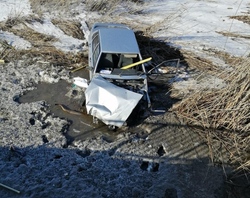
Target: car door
94	52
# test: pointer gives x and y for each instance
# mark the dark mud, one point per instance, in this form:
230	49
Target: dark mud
80	126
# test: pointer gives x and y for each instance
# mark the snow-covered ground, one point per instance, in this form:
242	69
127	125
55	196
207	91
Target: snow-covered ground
10	8
195	25
203	28
191	25
161	158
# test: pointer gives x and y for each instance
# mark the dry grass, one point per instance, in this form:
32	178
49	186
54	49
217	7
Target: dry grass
42	49
103	7
5	50
243	18
229	148
229	59
54	56
42	45
114	10
41	6
202	64
206	66
235	35
47	54
17	25
69	27
227	109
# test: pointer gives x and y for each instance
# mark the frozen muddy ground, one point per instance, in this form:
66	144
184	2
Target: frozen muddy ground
158	158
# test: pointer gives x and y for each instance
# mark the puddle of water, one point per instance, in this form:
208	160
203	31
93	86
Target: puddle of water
81	126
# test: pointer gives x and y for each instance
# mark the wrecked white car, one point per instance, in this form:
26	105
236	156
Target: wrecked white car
118	79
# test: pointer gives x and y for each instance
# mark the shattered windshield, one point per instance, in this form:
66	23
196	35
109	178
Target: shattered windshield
119	64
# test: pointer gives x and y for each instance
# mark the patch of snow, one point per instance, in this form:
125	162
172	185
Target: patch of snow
184	85
15	41
14	8
193	24
189	24
66	43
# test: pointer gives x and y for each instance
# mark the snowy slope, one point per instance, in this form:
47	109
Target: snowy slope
188	24
194	25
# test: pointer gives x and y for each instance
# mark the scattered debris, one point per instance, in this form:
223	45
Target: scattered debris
12	189
77	69
66	109
80	82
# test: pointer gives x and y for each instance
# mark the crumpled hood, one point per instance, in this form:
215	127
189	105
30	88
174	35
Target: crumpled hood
110	103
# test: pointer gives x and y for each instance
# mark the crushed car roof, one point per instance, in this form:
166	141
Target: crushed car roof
118	40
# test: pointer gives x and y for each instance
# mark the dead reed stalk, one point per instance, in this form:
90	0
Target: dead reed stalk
226	109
